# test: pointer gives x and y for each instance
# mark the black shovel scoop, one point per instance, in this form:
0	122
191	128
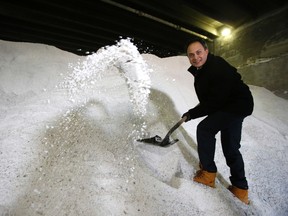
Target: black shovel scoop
158	141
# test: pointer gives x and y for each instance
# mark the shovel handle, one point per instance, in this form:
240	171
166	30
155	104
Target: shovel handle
176	126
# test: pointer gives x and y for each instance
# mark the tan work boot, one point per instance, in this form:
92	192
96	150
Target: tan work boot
241	194
206	178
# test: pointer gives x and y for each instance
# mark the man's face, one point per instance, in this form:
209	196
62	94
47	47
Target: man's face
197	54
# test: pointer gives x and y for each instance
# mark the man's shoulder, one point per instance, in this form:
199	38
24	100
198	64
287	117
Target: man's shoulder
217	59
218	62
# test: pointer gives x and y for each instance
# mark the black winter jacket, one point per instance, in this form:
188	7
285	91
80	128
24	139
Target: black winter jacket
219	87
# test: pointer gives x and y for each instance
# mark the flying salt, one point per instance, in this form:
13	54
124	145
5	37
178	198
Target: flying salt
125	57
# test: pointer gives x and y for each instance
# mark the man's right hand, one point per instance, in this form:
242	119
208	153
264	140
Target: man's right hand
188	117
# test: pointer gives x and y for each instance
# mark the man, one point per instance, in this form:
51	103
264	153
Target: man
225	101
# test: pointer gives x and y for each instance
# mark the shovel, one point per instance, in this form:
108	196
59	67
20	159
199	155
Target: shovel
158	141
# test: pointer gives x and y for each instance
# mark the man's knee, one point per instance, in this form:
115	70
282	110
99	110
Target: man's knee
205	127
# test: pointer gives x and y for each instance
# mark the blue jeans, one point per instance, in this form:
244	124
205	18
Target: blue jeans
230	126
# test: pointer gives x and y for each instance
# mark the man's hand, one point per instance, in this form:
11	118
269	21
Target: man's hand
188	117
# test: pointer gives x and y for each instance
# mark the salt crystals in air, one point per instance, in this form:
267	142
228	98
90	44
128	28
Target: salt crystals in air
125	57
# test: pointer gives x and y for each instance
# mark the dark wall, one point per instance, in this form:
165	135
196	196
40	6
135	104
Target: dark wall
260	52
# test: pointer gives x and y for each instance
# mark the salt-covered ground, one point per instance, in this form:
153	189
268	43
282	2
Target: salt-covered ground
69	125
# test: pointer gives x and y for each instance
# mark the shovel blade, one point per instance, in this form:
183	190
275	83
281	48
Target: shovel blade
167	142
158	141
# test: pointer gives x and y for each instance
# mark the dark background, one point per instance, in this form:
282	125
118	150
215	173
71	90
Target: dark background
155	26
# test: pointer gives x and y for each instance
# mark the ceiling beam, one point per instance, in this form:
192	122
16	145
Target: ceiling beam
89	26
157	19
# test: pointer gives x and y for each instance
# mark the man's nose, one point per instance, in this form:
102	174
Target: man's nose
195	57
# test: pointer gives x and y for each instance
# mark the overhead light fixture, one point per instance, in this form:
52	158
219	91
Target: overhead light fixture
225	31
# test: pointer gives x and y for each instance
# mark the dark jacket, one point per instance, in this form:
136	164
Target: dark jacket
219	87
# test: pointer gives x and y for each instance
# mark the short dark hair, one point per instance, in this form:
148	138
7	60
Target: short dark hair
200	40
